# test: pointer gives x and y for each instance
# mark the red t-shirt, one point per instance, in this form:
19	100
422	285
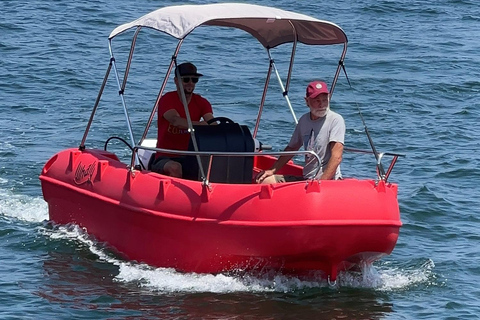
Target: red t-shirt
170	136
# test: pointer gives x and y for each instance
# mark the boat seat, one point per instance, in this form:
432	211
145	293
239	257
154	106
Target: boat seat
224	137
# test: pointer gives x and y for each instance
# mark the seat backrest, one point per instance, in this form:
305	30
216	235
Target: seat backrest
224	137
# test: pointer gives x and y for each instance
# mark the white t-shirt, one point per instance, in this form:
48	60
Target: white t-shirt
315	135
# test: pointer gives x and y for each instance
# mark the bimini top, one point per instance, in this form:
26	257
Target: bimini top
270	26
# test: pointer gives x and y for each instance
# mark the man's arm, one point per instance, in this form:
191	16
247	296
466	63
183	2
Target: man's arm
174	118
207	116
281	161
334	162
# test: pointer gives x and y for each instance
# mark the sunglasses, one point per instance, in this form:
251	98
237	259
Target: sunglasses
187	79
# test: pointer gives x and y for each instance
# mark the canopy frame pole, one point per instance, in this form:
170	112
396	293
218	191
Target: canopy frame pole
339	68
262	102
95	106
292	58
378	156
191	130
130	57
284	89
160	93
290	69
284	92
121	94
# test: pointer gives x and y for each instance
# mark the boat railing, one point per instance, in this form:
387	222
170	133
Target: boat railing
381	173
212	154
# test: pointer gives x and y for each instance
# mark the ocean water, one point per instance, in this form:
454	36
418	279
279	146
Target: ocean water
414	70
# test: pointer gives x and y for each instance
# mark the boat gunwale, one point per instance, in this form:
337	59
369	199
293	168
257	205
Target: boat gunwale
240	223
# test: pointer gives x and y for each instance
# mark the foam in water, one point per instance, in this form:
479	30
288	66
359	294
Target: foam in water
387	277
166	280
23	207
397	279
384	277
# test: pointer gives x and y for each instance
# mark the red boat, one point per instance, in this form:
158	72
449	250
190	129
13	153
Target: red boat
216	219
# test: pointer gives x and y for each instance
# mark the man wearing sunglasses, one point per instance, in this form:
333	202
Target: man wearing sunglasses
172	122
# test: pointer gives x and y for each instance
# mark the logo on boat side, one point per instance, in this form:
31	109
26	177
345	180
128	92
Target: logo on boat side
85	173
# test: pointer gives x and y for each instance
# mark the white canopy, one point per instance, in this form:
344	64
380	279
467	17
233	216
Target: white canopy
270	26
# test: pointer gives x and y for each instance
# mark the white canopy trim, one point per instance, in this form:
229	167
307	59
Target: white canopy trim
270	26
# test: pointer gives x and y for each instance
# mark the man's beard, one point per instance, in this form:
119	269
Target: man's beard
319	113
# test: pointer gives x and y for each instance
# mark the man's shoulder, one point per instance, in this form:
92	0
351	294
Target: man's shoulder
199	99
304	117
168	101
170	96
336	121
334	116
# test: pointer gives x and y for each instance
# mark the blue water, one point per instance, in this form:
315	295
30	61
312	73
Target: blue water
414	70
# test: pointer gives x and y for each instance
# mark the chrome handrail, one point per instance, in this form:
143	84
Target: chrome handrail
381	174
211	154
383	177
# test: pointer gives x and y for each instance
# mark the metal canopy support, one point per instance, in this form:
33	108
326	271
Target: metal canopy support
339	68
121	93
160	93
292	56
380	170
285	92
191	130
121	89
130	56
262	102
97	101
284	89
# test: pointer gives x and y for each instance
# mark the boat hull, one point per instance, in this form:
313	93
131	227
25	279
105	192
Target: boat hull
167	222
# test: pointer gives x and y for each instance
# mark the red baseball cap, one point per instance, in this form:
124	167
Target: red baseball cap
315	88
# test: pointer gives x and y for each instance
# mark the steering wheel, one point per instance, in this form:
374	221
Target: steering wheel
220	119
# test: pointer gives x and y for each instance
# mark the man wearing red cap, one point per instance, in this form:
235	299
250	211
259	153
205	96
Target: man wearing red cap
172	122
321	131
